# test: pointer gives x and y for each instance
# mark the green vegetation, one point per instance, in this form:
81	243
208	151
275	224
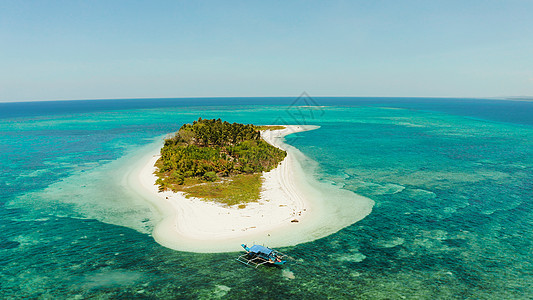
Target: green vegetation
217	160
238	189
270	127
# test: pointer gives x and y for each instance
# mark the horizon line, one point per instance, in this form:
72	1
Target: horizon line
509	98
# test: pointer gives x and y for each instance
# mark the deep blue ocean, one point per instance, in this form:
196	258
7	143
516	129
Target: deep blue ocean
452	180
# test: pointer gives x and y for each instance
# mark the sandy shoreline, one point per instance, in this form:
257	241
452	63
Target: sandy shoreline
288	195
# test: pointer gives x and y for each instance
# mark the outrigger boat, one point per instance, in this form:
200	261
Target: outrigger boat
258	255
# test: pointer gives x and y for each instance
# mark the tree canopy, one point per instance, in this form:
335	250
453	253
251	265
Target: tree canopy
207	150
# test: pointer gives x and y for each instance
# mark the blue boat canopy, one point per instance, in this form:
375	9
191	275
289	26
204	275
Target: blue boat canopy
260	249
258	255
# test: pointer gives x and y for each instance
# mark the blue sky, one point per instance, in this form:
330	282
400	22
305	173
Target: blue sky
56	50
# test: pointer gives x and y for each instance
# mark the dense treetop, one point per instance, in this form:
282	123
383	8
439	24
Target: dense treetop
207	150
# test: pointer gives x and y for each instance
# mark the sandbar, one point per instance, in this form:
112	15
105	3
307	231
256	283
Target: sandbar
294	207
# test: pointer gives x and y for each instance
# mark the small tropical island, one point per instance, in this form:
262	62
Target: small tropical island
216	185
217	160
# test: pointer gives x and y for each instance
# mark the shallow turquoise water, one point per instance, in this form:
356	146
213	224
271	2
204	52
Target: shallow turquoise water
453	215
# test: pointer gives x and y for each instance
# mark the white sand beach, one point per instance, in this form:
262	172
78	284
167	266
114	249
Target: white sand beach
294	207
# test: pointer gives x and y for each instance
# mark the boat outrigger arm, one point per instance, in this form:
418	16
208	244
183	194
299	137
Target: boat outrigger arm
258	255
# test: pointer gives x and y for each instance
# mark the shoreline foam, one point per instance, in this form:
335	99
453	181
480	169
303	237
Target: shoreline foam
191	224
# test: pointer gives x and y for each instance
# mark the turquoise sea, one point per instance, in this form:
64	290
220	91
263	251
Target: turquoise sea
452	180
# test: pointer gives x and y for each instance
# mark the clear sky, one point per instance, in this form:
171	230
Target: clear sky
54	50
